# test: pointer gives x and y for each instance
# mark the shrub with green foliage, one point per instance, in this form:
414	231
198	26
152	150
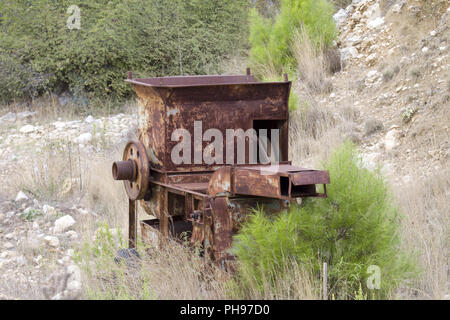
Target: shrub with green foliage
148	37
271	39
355	227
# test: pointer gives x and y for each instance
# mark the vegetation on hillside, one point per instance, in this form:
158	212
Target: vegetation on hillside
39	53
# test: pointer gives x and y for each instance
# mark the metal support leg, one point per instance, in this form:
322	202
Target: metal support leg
132	223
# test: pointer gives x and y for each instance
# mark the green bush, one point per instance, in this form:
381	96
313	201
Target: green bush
271	39
355	227
148	37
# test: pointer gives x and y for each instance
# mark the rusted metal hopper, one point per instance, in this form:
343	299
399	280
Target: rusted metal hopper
203	200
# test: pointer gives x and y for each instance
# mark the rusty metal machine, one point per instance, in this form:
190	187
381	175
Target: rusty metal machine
207	202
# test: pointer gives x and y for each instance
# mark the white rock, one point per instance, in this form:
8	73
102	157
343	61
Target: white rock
371	58
10	117
74	286
348	53
20	260
353	40
27	128
373	75
74	273
52	241
59	124
89	119
83	138
62	224
340	17
57	296
425	49
72	234
391	138
433	33
25	114
48	210
8	245
9	236
375	23
21	196
35	225
397	8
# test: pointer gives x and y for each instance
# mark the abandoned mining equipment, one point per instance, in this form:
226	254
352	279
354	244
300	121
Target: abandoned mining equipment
207	202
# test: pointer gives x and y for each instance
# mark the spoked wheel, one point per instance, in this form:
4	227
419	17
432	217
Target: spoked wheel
134	170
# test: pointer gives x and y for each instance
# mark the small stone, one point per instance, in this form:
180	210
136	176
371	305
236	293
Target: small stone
8	245
21	196
84	138
340	17
425	49
27	129
35	225
21	261
433	33
376	23
9	236
57	296
48	210
371	58
10	117
391	138
64	223
74	286
25	114
52	241
72	234
89	119
74	273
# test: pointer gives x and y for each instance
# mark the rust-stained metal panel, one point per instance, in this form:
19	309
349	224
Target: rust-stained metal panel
252	182
310	177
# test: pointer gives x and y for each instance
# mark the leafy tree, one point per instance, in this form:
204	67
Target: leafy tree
148	37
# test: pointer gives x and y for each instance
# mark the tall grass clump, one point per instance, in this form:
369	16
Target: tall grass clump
170	271
357	226
271	38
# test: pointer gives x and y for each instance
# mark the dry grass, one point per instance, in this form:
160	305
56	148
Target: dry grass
169	272
48	108
295	282
426	230
315	130
312	63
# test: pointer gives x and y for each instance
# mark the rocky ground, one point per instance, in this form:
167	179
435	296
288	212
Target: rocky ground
37	236
396	79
